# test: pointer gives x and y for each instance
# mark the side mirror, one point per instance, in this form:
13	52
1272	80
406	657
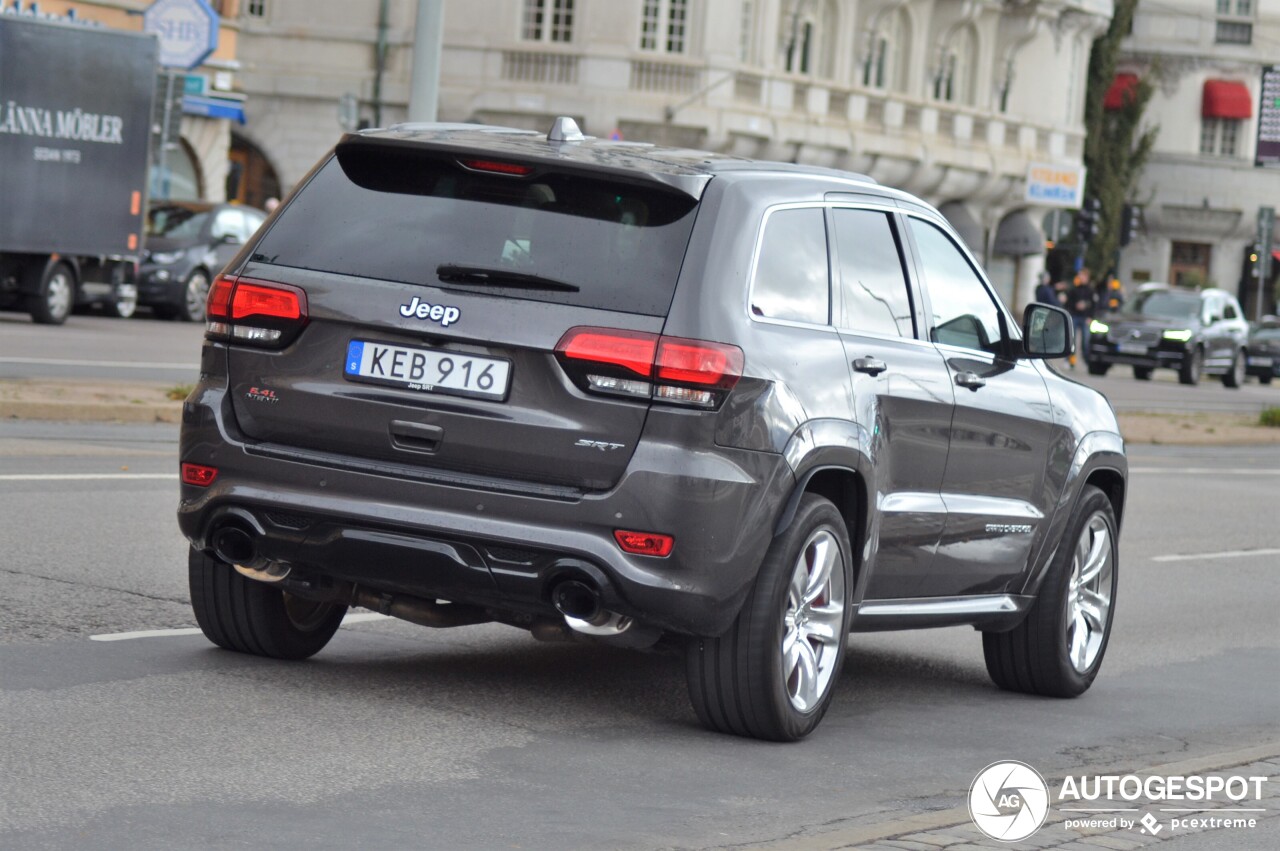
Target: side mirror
1047	332
227	239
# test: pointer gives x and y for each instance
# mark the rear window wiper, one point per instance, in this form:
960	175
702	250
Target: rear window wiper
484	276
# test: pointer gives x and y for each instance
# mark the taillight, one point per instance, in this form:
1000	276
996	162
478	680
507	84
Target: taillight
198	475
649	366
644	543
252	311
495	167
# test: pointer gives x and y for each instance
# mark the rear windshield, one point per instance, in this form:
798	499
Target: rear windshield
400	216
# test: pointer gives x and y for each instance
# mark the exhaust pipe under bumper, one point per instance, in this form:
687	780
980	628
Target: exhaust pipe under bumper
419	610
580	604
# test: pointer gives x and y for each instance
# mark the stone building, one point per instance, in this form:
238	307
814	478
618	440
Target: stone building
955	100
1204	185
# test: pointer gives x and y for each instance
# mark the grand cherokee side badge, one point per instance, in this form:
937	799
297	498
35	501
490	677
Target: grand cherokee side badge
446	316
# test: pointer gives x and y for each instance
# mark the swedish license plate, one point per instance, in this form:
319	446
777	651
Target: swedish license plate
1132	348
429	370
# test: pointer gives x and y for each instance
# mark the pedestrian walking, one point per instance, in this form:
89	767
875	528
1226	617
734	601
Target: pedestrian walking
1045	292
1081	305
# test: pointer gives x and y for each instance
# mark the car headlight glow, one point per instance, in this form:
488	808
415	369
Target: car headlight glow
1096	327
164	258
1179	335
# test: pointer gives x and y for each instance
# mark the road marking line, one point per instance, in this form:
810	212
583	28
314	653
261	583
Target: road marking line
81	477
361	617
144	633
1203	471
1223	554
122	364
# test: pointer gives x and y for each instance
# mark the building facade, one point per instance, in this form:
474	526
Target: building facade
1203	187
954	100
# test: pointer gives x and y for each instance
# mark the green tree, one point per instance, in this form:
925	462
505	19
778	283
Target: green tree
1115	146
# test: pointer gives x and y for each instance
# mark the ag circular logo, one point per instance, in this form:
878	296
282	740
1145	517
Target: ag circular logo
1008	801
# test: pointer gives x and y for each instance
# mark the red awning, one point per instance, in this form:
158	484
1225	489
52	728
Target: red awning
1226	99
1122	91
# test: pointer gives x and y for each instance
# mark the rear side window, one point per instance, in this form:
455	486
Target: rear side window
872	280
400	215
792	280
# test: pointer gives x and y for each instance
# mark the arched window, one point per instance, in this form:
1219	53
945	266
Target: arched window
885	66
953	78
812	46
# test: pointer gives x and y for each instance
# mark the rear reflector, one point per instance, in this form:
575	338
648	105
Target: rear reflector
495	167
198	475
644	543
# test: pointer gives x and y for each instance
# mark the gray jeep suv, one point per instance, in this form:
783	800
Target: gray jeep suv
617	392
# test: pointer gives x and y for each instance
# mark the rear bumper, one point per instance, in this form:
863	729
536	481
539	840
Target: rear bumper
502	550
1262	366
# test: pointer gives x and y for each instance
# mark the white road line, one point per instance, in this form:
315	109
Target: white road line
1205	471
81	477
117	364
1223	554
361	617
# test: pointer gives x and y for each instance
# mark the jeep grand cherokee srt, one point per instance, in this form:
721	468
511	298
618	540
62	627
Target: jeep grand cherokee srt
617	392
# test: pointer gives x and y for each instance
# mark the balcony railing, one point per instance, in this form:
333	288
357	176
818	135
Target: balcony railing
649	76
527	66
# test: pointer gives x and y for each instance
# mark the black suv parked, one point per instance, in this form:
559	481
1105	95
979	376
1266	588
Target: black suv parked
611	390
1193	331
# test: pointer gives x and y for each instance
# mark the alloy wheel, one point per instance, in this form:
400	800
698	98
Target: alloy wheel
58	294
812	633
1089	593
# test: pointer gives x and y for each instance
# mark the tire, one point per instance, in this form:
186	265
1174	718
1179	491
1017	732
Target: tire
1142	373
56	296
1057	649
750	681
194	292
1234	377
247	616
125	302
1265	379
1098	368
1192	367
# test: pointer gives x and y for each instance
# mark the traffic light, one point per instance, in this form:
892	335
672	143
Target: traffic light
1087	220
1130	221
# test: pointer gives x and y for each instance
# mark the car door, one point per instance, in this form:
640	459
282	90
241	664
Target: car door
902	395
994	485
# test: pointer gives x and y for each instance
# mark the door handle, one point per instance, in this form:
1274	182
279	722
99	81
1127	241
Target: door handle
870	366
970	380
415	437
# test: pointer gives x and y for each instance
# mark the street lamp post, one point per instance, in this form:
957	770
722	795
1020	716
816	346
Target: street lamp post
428	41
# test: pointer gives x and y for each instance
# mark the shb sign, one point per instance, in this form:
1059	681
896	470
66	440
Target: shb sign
188	31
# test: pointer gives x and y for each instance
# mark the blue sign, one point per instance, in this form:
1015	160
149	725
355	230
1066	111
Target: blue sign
187	29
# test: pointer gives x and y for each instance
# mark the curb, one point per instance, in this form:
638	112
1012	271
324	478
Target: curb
118	412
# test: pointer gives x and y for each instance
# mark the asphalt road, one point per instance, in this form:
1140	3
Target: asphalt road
396	736
147	349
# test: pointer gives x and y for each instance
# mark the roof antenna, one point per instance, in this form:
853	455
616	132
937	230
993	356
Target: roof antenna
565	129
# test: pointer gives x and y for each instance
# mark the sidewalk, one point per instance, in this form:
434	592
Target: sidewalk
145	402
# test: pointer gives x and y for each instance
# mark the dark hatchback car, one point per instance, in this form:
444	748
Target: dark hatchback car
1264	351
1196	332
615	392
188	242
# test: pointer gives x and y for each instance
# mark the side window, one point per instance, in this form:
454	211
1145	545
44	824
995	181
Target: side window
872	281
963	312
791	279
1231	311
229	223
